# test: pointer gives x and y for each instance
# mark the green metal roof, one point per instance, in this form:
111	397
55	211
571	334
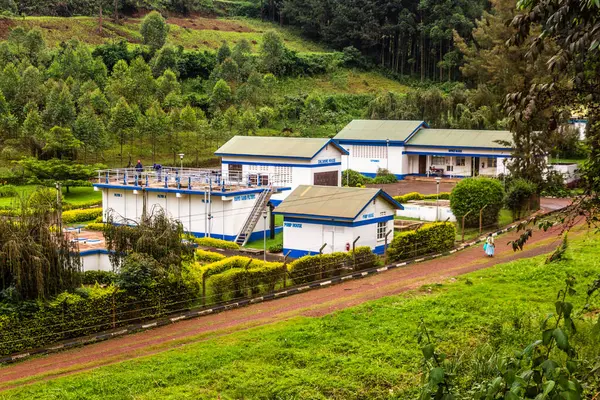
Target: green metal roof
361	129
330	202
275	146
460	138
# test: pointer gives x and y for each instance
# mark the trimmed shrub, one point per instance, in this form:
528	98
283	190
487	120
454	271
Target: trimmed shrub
224	265
353	178
430	238
312	268
79	206
98	220
74	216
405	198
98	277
519	196
250	278
276	248
472	194
95	226
8	191
384	176
204	256
216	243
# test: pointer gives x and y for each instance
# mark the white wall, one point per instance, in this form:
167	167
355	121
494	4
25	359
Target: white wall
426	213
96	262
360	161
228	213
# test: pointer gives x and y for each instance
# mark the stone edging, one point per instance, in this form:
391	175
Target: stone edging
134	328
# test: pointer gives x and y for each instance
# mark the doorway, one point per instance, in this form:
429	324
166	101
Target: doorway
422	165
475	166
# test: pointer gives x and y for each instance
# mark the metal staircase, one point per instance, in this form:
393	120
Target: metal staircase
254	217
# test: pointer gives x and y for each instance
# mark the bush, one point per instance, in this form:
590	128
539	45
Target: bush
228	263
519	196
276	248
74	216
216	243
442	196
247	277
418	196
384	176
430	238
8	191
95	226
353	178
554	185
203	256
99	277
79	206
312	268
472	194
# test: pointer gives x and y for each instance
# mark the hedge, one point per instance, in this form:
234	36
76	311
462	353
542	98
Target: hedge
79	206
312	268
418	196
87	311
204	256
99	277
430	238
216	243
252	278
74	216
8	191
471	195
95	226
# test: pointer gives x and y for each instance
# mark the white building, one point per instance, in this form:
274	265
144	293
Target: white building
207	203
335	217
411	148
295	161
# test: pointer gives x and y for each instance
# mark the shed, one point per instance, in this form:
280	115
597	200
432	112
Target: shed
314	216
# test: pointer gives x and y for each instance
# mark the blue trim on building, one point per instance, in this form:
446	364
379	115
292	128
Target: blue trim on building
423	124
574	120
446	175
400	177
459	147
93	252
281	164
313	216
393	143
188	191
338	223
276	202
254	236
380	249
433	153
331	141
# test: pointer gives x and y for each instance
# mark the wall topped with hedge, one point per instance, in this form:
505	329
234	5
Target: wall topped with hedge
418	196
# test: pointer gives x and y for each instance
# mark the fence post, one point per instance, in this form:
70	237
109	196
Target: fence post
353	254
481	218
203	289
463	224
385	249
285	271
113	311
321	261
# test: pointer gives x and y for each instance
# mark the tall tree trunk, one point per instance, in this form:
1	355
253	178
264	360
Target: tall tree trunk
422	57
116	6
441	66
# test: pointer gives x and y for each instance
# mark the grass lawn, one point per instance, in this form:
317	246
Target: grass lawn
566	160
258	244
75	197
365	352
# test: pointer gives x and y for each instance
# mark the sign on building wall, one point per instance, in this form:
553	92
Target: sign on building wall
367	216
326	161
292	225
244	197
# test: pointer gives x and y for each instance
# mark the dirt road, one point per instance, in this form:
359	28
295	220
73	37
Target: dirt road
313	303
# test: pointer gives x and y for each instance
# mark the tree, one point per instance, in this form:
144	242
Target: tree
33	132
272	51
165	59
221	94
223	52
89	129
154	30
121	122
38	260
60	108
231	119
248	123
156	125
64	171
61	143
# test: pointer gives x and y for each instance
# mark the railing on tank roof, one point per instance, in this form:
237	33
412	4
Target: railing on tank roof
188	178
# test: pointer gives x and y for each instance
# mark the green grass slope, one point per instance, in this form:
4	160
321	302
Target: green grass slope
369	351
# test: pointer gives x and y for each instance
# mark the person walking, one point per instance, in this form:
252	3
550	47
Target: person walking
490	247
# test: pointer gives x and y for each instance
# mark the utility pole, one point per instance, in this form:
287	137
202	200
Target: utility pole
59	205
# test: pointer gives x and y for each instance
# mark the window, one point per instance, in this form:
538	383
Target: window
283	175
438	160
492	162
449	168
381	230
235	171
374	152
460	161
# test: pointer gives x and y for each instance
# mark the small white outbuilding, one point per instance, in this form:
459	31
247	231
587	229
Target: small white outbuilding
335	217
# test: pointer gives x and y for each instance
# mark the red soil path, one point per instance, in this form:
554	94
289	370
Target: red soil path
312	303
